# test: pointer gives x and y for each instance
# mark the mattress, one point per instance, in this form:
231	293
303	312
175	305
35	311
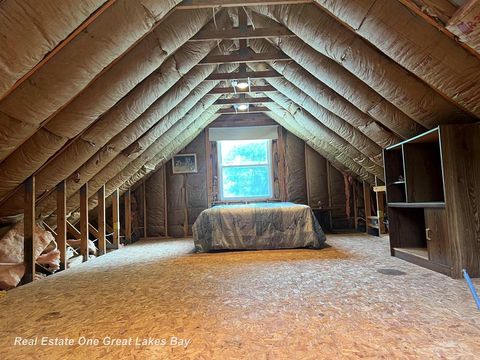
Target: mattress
257	226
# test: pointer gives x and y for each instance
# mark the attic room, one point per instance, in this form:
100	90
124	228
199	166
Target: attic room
276	179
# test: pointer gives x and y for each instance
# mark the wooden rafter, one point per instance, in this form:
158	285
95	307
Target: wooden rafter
60	46
243	101
232	90
241	58
236	34
200	4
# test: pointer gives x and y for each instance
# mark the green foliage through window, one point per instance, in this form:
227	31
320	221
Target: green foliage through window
245	169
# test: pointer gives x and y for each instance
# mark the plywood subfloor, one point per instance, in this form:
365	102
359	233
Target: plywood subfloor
348	301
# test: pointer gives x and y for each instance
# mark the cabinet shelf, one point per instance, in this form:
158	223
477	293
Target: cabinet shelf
418	205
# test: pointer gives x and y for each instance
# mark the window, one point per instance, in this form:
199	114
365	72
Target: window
245	169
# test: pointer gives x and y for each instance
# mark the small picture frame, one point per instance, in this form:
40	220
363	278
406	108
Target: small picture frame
184	164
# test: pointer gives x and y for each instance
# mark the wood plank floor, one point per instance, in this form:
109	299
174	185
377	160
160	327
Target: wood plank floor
347	301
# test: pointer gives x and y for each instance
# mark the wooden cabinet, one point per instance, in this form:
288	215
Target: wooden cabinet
433	192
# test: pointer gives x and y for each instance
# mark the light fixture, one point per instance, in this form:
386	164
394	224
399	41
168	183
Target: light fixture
242	85
242	107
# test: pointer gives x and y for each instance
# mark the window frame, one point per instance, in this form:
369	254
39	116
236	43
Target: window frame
269	164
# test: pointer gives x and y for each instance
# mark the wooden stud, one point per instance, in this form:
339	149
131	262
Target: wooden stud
268	74
29	231
281	166
102	237
307	175
116	218
185	209
84	221
209	172
329	191
128	215
355	206
380	200
61	236
144	207
165	199
367	203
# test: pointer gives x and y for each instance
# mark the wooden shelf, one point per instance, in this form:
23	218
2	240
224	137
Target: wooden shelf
415	251
417	205
419	256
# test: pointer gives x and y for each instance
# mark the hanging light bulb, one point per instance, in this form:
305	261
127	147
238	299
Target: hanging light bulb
242	107
242	85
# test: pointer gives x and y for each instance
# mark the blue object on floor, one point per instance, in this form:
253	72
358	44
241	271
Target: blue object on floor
472	288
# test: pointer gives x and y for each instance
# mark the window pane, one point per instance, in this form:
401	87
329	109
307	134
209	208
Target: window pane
244	182
244	152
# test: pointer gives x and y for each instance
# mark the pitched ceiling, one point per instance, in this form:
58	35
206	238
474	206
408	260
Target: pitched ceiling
112	89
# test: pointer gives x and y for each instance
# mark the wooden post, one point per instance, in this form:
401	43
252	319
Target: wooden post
62	223
307	172
380	199
209	172
116	218
282	178
128	215
144	194
329	190
165	205
355	205
29	230
84	221
367	203
102	241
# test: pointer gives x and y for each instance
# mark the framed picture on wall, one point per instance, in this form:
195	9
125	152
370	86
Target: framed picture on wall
184	164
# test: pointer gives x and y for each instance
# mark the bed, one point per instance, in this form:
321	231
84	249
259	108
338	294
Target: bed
257	226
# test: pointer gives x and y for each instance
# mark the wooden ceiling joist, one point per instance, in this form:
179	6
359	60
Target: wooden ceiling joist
232	90
253	109
236	34
245	75
243	101
253	119
201	4
241	58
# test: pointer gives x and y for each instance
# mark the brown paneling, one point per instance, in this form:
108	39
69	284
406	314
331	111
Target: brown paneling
154	187
461	159
317	178
295	169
